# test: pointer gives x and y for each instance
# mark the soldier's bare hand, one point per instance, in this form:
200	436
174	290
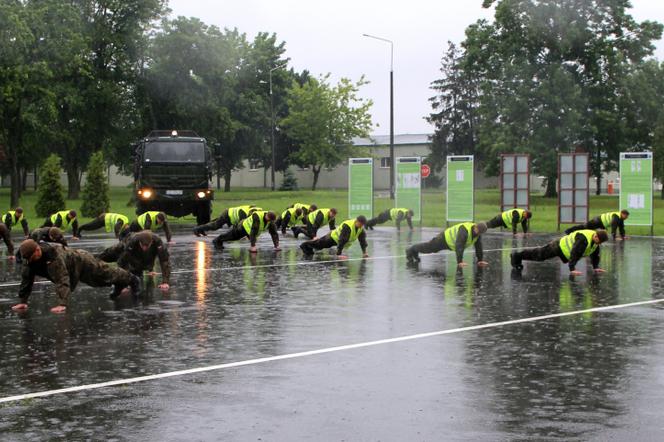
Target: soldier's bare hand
152	273
598	270
462	264
482	263
172	242
277	248
365	255
75	238
164	286
575	273
21	306
59	309
342	257
253	249
11	257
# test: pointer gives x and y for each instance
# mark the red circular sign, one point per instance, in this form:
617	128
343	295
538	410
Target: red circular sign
426	170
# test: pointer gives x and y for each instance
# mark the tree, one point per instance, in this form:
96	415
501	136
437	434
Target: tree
50	195
455	115
550	76
323	120
95	191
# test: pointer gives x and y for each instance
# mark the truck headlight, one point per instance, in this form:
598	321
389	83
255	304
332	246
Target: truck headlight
200	194
145	194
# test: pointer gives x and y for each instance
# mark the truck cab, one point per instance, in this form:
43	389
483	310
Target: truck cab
172	174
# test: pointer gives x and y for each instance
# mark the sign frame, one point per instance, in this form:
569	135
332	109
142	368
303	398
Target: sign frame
627	156
360	161
452	159
574	187
410	160
515	157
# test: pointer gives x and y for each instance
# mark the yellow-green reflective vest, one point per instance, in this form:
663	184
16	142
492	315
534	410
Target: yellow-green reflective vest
567	243
234	213
65	221
507	216
452	233
293	216
394	213
110	219
15	219
326	216
248	223
302	206
607	217
153	217
354	231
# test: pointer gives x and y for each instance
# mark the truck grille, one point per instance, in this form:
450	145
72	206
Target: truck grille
174	177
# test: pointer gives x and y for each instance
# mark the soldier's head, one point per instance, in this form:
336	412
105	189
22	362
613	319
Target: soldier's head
160	218
360	221
624	214
527	214
333	212
55	235
313	207
298	212
30	250
144	239
269	217
600	236
479	229
19	211
411	212
71	215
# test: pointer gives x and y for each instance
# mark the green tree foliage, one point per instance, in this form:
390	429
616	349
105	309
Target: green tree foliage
95	192
551	77
289	182
50	195
323	119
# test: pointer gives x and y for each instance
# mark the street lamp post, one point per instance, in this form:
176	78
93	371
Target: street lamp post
272	123
391	109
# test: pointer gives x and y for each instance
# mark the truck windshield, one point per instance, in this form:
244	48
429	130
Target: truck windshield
175	152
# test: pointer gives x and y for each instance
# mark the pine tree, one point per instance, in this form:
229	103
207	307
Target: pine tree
50	195
95	192
289	182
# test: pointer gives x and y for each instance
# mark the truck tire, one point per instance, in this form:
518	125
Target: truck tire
203	212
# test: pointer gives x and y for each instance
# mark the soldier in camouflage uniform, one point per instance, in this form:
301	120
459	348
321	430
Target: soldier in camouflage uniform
138	252
48	234
65	268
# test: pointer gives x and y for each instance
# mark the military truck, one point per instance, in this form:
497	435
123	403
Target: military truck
173	173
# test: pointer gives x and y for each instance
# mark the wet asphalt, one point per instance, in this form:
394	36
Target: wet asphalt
592	376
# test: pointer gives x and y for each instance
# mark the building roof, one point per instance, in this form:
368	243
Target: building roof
399	139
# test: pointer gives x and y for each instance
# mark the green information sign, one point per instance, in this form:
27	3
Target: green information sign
636	176
409	185
360	187
460	188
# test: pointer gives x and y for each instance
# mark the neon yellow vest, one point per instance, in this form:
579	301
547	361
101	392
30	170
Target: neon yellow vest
567	243
248	223
65	222
302	206
452	233
293	216
394	213
153	216
606	218
15	219
507	216
110	219
234	213
326	216
354	231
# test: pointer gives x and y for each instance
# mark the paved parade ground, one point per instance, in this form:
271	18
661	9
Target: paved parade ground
320	349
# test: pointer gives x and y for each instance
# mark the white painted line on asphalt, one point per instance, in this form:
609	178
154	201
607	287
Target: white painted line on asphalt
290	264
302	354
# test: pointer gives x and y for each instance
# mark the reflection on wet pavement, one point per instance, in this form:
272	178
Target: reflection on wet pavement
587	376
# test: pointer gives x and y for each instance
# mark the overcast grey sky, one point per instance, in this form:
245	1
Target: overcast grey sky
326	36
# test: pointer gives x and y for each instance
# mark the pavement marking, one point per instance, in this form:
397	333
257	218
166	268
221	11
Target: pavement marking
290	264
318	352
